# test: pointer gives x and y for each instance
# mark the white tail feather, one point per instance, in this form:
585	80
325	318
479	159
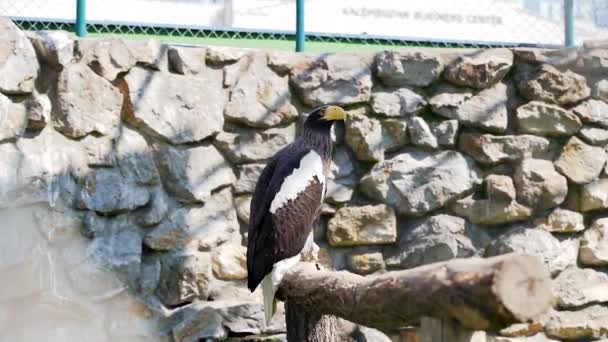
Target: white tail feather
268	291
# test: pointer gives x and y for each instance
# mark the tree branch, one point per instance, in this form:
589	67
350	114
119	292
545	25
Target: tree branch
480	294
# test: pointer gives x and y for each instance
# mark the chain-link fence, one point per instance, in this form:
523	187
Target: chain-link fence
330	25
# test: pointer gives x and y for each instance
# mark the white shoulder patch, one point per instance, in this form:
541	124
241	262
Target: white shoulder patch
310	166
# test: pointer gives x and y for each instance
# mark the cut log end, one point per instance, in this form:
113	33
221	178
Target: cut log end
523	286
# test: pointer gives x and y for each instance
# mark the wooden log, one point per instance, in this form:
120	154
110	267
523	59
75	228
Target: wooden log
479	294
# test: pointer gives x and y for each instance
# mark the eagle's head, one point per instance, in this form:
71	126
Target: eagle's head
323	117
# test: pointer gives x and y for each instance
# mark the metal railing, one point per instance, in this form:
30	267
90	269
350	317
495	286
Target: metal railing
551	30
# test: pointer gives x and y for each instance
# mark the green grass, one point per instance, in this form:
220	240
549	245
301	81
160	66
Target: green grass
266	44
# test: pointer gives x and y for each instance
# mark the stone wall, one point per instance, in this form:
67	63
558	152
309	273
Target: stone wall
127	169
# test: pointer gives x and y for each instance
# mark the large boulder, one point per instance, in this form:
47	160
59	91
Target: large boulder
201	227
191	174
135	158
107	191
539	185
579	162
546	119
593	112
14	118
556	254
417	182
486	110
398	103
480	69
87	103
499	206
419	69
561	221
364	136
18	62
437	238
575	287
494	149
546	83
593	196
245	145
366	225
335	78
54	48
594	244
230	262
179	109
586	324
259	97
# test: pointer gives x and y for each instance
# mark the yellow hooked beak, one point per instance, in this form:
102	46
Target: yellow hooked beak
334	113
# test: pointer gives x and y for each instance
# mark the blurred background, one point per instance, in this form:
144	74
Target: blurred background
330	25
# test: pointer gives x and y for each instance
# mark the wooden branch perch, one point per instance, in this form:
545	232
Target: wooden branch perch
479	294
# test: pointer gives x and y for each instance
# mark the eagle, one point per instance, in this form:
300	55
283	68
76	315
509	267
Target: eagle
287	202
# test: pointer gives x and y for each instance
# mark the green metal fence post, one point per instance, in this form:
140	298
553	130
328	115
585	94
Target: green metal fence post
81	23
569	22
300	35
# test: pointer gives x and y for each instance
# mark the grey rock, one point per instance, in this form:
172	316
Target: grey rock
418	69
555	57
334	78
187	60
223	55
600	90
364	137
485	110
203	227
446	132
499	207
365	225
230	262
394	134
107	57
107	191
243	207
437	238
594	195
259	97
148	52
561	221
594	136
206	324
545	119
135	158
87	103
55	48
539	185
417	182
585	324
38	111
342	164
399	103
157	209
120	251
34	170
580	162
594	60
192	174
248	177
180	109
548	84
184	277
539	337
99	151
340	190
150	274
594	244
420	133
593	112
246	146
365	263
556	254
480	69
494	149
575	287
14	118
18	62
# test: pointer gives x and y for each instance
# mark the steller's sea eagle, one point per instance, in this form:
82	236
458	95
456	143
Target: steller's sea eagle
287	202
